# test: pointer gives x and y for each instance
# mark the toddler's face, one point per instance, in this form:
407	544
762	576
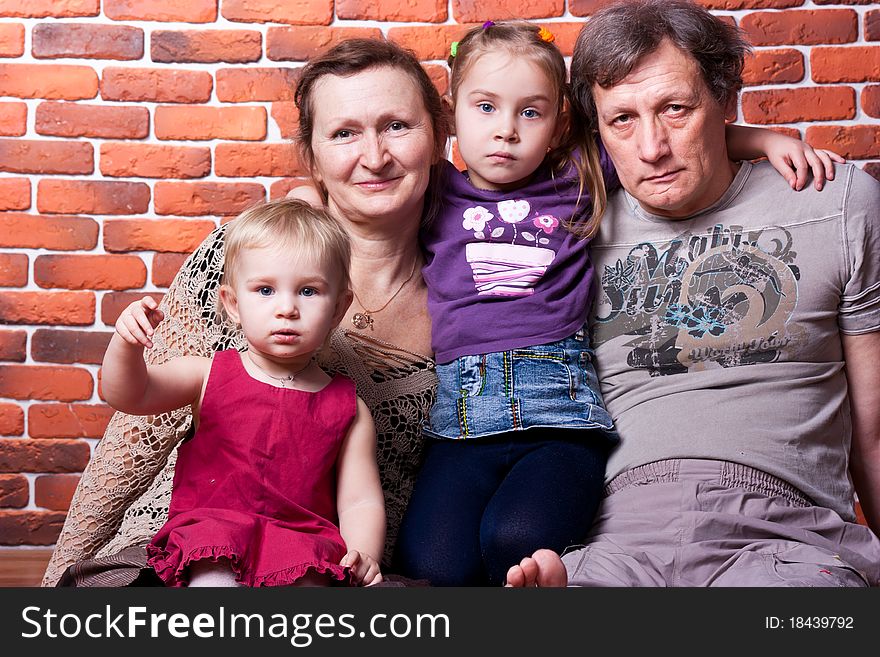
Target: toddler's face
287	303
506	119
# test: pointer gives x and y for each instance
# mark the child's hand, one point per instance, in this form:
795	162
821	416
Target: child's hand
795	160
364	569
136	323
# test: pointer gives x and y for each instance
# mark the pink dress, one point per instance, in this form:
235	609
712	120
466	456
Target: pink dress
257	482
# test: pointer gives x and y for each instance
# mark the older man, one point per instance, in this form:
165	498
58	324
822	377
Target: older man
737	332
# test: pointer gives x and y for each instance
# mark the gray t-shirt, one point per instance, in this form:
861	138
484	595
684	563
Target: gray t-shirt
718	336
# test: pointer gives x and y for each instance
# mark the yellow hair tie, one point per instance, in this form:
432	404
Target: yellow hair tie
453	48
546	35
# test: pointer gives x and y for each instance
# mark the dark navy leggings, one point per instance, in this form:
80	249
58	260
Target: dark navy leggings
479	506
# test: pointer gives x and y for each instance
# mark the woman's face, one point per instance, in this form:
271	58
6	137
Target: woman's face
373	144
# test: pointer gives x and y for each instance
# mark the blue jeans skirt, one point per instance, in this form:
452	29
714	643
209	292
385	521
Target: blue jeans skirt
549	385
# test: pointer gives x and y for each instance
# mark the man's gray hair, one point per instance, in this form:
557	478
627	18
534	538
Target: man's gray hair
614	40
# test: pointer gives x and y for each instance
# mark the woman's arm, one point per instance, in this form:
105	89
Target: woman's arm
794	159
359	500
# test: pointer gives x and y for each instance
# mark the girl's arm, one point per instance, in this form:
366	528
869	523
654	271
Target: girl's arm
359	500
792	158
129	385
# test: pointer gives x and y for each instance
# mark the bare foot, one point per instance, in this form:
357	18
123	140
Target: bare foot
544	568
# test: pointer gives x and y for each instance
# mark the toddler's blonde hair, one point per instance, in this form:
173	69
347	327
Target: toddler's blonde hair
288	224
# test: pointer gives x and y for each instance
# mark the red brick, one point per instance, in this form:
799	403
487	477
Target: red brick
64	308
30	527
152	161
166	266
53	40
732	5
872	25
11	420
56	346
13	119
302	12
206	46
587	7
299	44
13	345
15	193
53	8
802	104
113	303
156	85
858	142
14	491
205	123
843	2
76	120
439	76
11	39
46	383
90	272
36	455
68	420
35	156
781	66
92	197
871	100
801	27
55	491
853	64
242	85
286	117
51	81
248	160
177	236
173	11
428	11
195	199
13	268
873	169
280	188
477	11
428	41
27	231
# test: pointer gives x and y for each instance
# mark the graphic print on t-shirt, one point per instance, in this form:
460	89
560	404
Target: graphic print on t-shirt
699	301
500	266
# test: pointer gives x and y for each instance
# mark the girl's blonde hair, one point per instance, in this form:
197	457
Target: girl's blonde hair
288	224
525	39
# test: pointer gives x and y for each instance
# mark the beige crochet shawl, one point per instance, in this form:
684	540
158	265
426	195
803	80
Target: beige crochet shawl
123	496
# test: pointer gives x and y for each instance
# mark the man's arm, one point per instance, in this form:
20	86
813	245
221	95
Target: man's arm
862	356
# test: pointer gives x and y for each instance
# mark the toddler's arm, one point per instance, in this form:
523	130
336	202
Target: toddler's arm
794	159
129	385
359	500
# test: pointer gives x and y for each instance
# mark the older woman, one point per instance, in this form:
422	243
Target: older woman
371	127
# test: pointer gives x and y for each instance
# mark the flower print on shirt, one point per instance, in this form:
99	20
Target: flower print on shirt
502	268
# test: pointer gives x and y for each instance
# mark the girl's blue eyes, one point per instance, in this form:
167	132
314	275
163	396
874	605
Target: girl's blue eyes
530	113
266	291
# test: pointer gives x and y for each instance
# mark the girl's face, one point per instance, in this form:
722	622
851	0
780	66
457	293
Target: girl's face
373	144
506	119
287	303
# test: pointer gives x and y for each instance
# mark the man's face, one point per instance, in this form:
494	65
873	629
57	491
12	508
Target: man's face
666	134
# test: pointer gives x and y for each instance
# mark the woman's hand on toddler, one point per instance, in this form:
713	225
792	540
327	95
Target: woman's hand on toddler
364	568
136	323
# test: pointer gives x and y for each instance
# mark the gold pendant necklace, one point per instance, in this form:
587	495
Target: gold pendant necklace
283	380
364	320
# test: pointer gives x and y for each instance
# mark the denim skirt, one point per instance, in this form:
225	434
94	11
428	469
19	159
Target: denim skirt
549	385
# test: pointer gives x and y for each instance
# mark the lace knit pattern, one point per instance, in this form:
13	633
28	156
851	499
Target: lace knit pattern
123	496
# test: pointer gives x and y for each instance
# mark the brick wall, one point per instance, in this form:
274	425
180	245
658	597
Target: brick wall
130	128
